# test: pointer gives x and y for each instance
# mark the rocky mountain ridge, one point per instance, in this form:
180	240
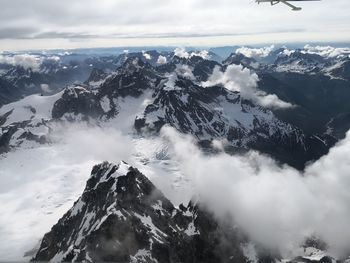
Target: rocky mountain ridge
179	100
122	217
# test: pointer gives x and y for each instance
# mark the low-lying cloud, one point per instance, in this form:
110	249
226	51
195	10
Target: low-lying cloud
182	53
146	55
255	52
161	60
327	51
240	79
181	70
277	206
40	184
26	61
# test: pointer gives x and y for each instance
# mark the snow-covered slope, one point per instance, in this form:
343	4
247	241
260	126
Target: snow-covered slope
122	217
175	97
26	122
122	112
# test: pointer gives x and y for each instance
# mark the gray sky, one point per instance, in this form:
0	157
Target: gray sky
31	24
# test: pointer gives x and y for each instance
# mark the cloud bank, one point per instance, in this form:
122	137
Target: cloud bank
181	70
26	61
96	23
240	79
182	53
327	51
277	206
161	60
255	52
38	185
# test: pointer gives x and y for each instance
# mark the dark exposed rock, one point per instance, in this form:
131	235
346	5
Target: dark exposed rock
240	59
77	100
216	113
96	75
122	217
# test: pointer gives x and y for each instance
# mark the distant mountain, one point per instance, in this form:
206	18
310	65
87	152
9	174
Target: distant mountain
177	100
225	51
121	216
318	85
50	75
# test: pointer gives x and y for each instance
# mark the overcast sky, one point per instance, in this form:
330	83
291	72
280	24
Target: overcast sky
32	24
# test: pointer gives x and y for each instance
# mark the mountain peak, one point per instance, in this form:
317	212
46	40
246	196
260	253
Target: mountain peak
122	217
116	216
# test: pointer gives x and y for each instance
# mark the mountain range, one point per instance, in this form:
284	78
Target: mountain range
121	215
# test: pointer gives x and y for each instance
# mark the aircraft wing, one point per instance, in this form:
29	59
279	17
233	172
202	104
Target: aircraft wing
294	8
286	2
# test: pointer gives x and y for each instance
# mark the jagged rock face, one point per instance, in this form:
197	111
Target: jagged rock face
320	99
99	97
342	70
131	79
216	113
26	123
181	108
207	113
8	92
55	71
122	217
76	100
301	61
201	68
240	59
96	76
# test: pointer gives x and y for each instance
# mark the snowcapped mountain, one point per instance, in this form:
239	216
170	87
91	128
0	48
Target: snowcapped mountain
316	80
26	74
177	99
240	59
305	61
26	122
122	217
216	103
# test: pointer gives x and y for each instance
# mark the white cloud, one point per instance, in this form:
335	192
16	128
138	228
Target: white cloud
185	71
55	58
161	60
45	88
203	54
277	206
327	51
235	78
26	61
95	23
287	52
170	84
255	52
182	53
146	55
270	101
240	79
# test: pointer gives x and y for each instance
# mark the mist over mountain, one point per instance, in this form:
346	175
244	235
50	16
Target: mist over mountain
232	154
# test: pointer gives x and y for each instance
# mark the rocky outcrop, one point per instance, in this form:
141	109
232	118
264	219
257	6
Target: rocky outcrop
122	217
